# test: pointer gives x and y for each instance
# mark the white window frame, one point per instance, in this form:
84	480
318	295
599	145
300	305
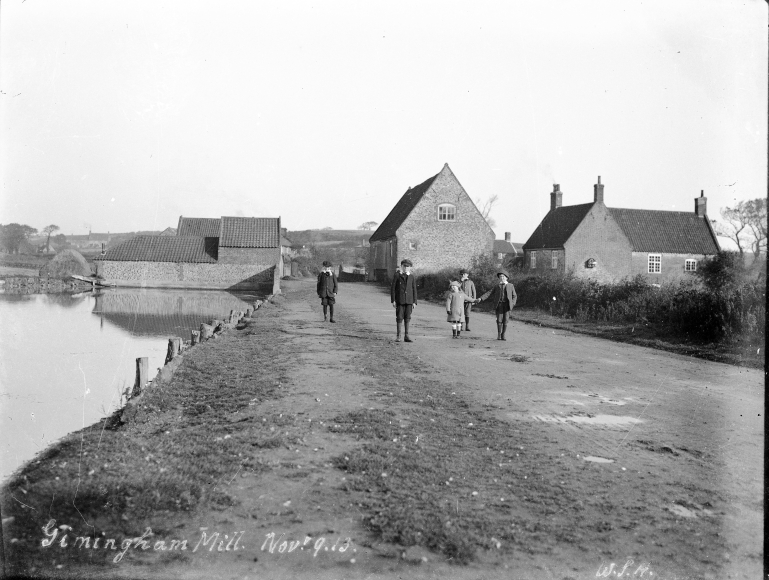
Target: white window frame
533	261
654	264
554	260
444	215
690	265
412	245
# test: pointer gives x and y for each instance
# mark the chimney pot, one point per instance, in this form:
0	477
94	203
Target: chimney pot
507	236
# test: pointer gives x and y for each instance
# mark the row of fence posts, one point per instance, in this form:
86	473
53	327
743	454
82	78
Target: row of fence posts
175	345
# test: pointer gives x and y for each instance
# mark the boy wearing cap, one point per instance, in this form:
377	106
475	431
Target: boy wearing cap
403	295
455	308
503	297
327	289
468	288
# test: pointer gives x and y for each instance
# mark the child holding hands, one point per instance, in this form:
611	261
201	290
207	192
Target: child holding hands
455	308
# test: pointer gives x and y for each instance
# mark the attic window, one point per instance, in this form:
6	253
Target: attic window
447	212
412	245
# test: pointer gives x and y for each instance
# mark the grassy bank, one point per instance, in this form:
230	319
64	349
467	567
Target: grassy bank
163	465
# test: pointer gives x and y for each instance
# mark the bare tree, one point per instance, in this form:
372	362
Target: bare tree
485	208
48	230
367	225
745	225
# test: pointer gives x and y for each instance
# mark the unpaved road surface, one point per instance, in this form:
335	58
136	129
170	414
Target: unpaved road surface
610	456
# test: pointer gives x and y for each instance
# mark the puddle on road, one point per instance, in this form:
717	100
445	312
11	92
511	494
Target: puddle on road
601	398
686	512
589	419
598	459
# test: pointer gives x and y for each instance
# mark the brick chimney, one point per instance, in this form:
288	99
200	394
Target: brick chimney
556	197
701	204
598	191
507	236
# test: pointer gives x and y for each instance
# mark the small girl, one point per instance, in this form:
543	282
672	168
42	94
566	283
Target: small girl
455	308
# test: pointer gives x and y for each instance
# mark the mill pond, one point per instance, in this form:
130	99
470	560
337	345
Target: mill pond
66	359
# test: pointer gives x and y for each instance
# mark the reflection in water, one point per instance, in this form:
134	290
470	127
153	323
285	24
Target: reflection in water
65	359
153	312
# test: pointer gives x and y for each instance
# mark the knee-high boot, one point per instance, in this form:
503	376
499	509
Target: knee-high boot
398	336
504	330
406	331
331	313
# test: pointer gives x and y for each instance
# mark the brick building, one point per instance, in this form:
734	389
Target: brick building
435	224
235	253
608	244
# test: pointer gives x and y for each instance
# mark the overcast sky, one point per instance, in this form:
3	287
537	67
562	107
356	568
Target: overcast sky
124	116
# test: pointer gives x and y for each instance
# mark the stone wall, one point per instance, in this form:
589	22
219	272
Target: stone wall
432	244
182	275
248	256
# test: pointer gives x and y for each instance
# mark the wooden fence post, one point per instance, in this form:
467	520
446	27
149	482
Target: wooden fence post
142	366
173	348
195	337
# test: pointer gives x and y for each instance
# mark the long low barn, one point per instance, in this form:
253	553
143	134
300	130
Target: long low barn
232	253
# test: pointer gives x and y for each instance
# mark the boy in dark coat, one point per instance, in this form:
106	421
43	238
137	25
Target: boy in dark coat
468	288
503	297
327	289
403	295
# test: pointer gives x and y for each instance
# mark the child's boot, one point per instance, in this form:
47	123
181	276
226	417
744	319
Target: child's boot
325	313
453	332
398	336
331	312
467	323
504	329
406	331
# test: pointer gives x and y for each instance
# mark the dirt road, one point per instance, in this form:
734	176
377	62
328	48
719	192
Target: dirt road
566	456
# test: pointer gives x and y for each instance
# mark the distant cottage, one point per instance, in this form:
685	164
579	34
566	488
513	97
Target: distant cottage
608	244
506	252
435	224
235	253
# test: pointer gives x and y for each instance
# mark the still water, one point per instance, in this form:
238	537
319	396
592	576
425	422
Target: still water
65	359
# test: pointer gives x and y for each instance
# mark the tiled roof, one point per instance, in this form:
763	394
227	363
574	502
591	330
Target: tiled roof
206	227
504	247
248	232
673	232
164	249
557	226
401	211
